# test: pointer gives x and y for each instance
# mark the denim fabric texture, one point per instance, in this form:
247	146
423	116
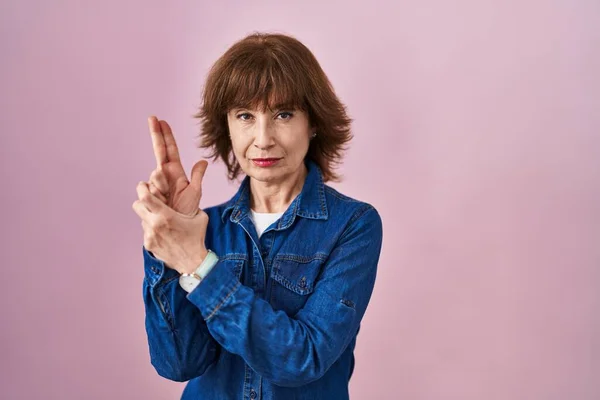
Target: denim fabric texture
277	317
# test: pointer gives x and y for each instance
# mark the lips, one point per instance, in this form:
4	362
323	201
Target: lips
265	162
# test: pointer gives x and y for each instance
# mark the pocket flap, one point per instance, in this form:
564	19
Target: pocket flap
296	274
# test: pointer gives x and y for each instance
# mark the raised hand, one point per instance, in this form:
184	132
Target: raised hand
168	181
173	237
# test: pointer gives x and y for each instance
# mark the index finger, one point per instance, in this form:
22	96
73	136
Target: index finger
158	141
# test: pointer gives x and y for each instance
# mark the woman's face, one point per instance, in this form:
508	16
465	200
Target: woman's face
271	145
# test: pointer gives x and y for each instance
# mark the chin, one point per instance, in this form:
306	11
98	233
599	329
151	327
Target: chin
264	174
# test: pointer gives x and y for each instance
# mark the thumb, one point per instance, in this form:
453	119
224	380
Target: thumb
198	171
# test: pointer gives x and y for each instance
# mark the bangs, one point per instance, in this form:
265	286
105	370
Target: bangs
275	72
262	82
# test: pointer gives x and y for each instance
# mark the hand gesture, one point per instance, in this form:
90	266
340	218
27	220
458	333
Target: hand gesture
168	181
175	238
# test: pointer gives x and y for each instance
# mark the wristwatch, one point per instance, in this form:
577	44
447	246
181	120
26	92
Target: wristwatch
189	282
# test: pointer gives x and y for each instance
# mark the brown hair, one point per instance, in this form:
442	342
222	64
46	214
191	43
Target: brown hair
273	70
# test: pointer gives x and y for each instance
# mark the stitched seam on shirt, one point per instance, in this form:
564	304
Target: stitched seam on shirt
359	213
223	301
149	282
234	256
300	259
162	283
339	195
322	200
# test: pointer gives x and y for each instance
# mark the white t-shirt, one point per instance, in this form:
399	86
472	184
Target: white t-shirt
263	220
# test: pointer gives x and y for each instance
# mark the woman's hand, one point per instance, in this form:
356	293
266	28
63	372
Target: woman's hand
168	181
175	238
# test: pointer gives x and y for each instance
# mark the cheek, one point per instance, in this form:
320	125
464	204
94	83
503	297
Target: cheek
240	147
299	144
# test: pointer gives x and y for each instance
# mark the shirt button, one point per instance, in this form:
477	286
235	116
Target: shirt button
252	394
303	282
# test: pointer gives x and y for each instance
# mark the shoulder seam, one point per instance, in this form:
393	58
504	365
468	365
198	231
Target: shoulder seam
339	195
366	207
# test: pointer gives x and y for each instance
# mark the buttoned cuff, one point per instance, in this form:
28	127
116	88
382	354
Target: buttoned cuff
155	269
214	290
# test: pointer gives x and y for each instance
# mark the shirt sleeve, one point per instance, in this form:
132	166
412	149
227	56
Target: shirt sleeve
181	346
293	351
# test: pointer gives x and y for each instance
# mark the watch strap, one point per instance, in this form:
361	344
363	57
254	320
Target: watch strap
207	264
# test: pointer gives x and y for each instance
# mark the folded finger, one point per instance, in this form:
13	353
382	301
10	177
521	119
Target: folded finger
151	202
141	210
156	192
159	180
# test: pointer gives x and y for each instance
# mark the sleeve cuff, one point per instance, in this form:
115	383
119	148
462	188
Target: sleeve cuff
154	269
214	290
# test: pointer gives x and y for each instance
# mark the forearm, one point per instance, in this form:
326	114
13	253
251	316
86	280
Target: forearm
286	351
181	347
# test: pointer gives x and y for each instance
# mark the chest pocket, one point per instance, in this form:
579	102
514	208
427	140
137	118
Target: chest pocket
293	280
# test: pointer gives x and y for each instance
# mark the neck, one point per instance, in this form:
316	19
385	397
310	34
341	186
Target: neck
275	197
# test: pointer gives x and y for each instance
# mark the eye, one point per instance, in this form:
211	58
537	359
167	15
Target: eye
286	115
243	116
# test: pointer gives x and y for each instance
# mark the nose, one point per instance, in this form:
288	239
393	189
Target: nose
264	134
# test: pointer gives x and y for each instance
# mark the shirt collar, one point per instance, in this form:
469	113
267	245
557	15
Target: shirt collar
310	203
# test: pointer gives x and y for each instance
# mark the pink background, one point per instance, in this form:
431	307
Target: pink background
476	136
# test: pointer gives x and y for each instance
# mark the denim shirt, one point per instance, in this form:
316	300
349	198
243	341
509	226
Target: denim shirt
277	317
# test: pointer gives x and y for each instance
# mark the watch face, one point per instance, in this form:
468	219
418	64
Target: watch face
188	282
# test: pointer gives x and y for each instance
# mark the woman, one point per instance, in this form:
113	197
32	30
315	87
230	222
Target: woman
260	297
